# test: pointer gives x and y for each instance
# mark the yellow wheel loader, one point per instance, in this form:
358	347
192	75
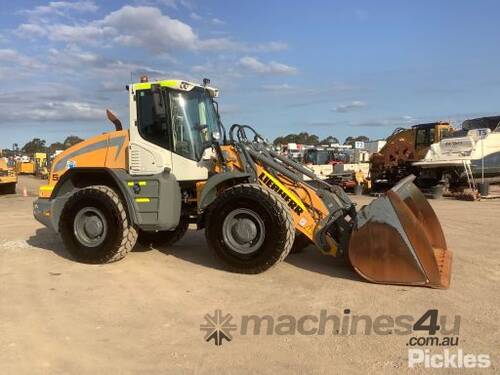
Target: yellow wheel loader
41	165
177	165
8	178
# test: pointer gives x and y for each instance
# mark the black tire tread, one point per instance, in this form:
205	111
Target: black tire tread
9	188
281	213
129	233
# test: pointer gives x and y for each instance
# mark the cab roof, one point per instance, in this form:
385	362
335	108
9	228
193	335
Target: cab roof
176	84
430	125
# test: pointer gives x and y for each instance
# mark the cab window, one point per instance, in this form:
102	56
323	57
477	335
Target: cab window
194	120
152	128
445	132
188	126
425	137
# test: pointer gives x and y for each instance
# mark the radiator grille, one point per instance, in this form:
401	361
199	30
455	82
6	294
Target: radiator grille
135	160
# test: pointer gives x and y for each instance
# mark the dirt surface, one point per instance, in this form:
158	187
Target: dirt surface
143	314
28	185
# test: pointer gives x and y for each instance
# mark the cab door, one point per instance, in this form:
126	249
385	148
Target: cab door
423	140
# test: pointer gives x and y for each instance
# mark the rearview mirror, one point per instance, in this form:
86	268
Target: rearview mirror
158	101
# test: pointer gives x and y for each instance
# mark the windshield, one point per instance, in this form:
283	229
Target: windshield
318	157
194	121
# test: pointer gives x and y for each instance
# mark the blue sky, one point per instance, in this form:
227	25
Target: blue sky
327	67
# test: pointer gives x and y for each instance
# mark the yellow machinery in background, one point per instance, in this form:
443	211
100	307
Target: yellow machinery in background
25	166
8	178
404	147
41	166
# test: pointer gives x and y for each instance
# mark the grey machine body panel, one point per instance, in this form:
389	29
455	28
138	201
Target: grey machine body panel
156	199
153	202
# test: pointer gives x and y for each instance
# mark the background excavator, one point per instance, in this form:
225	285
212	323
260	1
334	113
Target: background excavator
177	165
403	148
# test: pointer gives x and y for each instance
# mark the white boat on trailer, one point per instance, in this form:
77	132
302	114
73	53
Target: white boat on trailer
465	157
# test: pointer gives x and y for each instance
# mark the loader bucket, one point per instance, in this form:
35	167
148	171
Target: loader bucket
397	239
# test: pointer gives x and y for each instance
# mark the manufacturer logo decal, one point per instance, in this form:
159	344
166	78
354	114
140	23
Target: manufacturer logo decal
275	185
218	327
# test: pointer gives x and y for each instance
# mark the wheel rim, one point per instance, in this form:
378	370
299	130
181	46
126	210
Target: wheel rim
243	231
90	227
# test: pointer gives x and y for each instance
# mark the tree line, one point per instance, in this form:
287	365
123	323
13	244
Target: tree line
40	145
312	139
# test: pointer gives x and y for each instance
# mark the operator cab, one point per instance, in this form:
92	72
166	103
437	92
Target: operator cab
317	156
173	123
187	125
427	134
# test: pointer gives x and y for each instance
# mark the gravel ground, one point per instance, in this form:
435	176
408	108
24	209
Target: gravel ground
143	314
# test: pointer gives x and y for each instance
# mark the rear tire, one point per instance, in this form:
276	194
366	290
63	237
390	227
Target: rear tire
250	228
163	237
94	226
9	188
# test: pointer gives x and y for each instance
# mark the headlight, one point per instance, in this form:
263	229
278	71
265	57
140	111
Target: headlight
216	135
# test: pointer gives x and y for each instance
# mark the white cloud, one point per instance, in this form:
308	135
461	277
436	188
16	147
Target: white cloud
73	61
256	66
78	34
9	55
169	3
277	88
356	104
17	61
202	68
48	102
30	30
268	47
60	8
141	26
147	26
224	72
62	111
195	16
217	21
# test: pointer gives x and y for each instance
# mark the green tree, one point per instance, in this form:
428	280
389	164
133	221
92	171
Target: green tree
71	141
329	140
301	138
55	146
35	145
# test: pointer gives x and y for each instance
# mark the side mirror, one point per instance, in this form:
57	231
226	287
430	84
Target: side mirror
158	101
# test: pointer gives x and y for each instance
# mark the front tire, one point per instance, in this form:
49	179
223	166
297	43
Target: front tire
94	226
250	228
